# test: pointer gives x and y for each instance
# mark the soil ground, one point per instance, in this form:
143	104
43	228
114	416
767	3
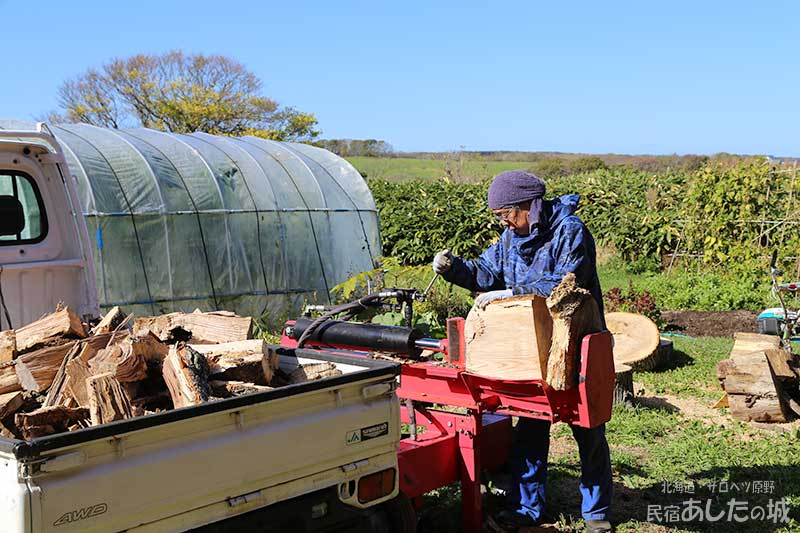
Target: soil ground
709	323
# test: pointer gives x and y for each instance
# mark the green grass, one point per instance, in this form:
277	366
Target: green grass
401	169
655	443
692	371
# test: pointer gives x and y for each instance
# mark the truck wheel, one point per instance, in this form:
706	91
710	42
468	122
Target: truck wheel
401	515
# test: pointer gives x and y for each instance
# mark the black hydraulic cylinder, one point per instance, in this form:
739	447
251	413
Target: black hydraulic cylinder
392	339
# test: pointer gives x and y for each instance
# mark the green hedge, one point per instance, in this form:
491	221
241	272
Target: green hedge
712	213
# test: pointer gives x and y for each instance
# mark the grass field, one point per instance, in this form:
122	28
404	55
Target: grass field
400	169
671	439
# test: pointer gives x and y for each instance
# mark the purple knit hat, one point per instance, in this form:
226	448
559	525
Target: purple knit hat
514	187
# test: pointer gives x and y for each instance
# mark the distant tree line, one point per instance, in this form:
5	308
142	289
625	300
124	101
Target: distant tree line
357	147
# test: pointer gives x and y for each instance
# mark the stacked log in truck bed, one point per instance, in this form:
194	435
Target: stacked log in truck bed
57	374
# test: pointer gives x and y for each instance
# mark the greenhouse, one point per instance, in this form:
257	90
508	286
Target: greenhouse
179	222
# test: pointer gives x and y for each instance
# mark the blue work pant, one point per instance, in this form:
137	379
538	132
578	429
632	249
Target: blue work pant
529	468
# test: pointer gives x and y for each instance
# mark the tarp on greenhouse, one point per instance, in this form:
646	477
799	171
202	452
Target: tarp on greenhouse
180	222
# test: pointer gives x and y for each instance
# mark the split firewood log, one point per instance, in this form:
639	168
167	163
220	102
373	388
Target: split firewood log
9	382
575	314
313	371
249	361
227	389
200	328
37	370
110	321
58	393
107	400
8	346
49	420
10	403
186	375
51	329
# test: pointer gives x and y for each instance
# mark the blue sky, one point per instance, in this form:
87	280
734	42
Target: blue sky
597	77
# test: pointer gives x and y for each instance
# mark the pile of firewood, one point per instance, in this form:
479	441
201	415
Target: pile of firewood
59	374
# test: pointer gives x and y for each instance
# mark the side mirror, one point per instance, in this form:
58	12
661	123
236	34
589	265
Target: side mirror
12	216
774	258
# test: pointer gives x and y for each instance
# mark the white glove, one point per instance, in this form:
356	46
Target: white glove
442	262
488	297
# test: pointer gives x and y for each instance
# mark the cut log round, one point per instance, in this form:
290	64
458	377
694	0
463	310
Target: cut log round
623	385
636	340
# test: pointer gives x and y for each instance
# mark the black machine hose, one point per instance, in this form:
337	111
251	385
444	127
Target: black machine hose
393	339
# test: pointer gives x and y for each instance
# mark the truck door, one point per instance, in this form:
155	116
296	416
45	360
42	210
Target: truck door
43	253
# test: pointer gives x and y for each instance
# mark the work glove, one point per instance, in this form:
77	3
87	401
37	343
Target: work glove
442	262
488	297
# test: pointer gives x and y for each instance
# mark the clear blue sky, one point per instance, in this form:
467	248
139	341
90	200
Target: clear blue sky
624	77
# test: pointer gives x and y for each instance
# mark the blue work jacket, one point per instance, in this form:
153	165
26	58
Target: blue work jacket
535	263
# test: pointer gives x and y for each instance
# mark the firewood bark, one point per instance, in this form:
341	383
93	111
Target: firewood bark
50	329
200	328
575	314
226	389
110	321
10	402
9	382
8	346
58	393
77	373
122	360
36	370
249	361
107	401
313	371
186	375
623	385
779	362
48	420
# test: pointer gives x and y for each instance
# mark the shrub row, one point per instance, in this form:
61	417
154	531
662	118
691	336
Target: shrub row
725	212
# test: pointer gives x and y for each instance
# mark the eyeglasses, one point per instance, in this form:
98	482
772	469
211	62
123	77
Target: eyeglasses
507	211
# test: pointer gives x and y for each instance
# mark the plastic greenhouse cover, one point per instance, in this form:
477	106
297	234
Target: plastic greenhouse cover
179	222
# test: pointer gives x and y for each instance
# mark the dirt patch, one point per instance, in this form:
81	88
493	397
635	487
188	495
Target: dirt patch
709	323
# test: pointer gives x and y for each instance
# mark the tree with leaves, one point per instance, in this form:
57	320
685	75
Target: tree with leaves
181	93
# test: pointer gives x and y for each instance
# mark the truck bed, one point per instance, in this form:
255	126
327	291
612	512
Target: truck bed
183	468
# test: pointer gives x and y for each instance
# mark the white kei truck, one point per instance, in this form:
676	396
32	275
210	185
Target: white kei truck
315	456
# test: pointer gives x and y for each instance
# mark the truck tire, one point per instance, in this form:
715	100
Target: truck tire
401	515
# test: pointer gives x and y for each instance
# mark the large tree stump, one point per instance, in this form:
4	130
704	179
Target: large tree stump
637	342
186	375
623	385
575	314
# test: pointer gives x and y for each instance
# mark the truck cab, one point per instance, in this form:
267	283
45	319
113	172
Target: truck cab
43	236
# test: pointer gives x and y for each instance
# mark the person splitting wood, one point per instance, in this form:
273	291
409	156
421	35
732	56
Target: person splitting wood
543	240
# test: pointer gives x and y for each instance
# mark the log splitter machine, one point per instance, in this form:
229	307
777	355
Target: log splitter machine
446	445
